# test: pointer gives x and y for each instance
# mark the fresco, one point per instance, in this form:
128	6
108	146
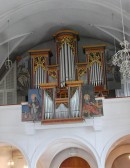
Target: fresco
32	111
23	76
91	106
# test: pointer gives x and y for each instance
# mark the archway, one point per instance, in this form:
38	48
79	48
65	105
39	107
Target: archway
118	153
122	161
11	156
62	149
74	162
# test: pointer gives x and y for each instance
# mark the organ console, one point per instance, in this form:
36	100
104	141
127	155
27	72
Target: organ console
66	104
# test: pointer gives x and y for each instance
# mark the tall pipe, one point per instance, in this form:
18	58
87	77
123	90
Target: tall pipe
66	61
35	80
72	66
61	66
69	58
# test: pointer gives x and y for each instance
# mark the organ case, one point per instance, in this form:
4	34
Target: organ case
39	65
96	72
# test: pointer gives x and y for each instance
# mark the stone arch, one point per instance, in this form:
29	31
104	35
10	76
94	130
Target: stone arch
60	144
116	153
112	144
77	152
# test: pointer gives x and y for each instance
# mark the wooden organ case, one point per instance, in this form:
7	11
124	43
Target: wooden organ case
39	66
61	83
95	68
66	47
62	93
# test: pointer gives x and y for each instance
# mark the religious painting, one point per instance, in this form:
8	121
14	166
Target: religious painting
91	106
32	111
23	75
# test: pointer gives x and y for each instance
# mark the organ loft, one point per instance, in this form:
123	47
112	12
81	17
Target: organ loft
61	84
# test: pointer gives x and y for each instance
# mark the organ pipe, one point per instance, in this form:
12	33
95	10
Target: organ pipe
39	76
74	104
67	72
66	42
95	65
96	77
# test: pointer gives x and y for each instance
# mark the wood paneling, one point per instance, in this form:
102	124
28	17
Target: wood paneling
74	162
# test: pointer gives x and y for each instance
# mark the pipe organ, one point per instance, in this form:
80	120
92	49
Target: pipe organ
95	59
66	45
61	83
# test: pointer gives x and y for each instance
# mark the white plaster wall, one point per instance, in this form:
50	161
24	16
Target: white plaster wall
95	135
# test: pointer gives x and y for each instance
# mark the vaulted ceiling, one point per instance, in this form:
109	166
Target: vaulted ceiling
27	23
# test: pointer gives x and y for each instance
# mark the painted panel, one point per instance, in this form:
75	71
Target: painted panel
91	106
31	111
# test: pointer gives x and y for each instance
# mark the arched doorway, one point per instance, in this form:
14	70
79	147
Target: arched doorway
74	162
122	161
11	156
118	155
62	149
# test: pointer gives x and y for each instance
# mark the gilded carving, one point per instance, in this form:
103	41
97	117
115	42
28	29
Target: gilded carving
52	73
69	40
95	56
82	70
39	61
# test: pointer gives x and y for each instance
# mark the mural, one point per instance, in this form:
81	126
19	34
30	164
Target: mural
23	76
91	106
32	111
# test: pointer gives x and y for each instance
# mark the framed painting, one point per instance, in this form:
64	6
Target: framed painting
91	106
32	110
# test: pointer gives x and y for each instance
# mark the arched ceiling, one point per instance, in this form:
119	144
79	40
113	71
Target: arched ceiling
27	23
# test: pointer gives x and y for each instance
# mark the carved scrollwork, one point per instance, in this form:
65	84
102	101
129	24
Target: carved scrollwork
39	61
52	73
81	70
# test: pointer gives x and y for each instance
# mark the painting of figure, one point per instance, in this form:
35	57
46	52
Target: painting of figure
91	106
31	111
23	76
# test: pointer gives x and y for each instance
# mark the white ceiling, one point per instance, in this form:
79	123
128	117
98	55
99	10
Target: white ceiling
34	21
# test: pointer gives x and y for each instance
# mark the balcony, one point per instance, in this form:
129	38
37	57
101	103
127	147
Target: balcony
115	114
